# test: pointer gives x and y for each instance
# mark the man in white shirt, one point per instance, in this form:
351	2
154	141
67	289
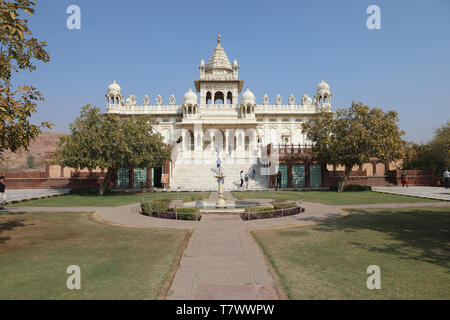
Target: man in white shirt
446	176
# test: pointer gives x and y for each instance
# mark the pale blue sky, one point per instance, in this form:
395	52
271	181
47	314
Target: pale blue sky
155	47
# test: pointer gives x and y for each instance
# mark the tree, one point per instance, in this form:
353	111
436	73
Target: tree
17	50
433	155
351	136
110	142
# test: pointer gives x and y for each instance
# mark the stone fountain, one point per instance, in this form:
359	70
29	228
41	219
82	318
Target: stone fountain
221	203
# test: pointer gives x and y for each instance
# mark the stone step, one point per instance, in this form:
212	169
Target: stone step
202	175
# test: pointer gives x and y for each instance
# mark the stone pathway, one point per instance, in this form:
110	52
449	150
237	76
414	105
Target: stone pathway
26	194
437	193
222	261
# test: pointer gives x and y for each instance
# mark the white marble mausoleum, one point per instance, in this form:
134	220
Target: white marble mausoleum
219	119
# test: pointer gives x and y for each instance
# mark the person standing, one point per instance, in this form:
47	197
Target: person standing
246	181
241	174
404	179
230	148
446	176
2	191
218	163
278	187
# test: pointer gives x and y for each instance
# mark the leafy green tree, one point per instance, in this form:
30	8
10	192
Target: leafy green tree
351	136
433	155
110	142
18	49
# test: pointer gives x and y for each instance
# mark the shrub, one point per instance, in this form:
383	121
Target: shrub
280	199
162	210
279	210
258	213
187	210
146	208
159	207
258	209
188	213
154	208
285	205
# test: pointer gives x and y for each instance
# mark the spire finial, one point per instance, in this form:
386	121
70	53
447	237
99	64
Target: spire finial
218	39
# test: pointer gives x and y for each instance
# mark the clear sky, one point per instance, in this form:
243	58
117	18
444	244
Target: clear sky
155	47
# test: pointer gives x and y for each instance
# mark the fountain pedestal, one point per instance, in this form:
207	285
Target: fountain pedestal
220	204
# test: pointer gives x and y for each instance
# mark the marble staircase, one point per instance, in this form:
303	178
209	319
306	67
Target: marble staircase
191	176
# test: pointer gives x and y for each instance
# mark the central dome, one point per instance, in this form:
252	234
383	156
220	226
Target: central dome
219	59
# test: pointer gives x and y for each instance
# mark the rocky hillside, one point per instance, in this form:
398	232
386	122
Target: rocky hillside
33	158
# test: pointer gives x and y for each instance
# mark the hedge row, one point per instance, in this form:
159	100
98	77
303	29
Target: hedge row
161	210
279	210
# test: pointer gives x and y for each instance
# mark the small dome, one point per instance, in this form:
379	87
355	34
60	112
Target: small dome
190	97
248	97
114	87
323	86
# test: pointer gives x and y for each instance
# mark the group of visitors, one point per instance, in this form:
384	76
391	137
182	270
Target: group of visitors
246	178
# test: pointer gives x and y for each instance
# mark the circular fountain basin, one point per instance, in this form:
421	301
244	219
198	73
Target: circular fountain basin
231	206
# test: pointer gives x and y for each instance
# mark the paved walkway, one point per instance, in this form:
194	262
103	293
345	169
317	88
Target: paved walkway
25	194
222	261
437	193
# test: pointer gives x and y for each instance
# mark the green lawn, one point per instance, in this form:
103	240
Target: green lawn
331	197
115	262
109	200
329	260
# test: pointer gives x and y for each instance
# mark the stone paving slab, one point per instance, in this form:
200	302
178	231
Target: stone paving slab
26	194
437	193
